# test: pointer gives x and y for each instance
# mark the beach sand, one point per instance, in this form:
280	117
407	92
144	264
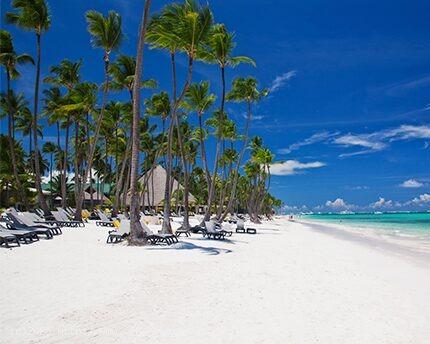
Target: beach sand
287	284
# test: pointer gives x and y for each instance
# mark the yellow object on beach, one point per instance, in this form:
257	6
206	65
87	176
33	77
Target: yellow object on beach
85	214
116	223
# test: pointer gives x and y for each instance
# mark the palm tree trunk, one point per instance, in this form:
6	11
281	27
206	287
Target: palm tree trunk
166	227
76	162
218	148
119	185
92	147
50	181
203	151
137	235
239	160
38	179
11	140
65	158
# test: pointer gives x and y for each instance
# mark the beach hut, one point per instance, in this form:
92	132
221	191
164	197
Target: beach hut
152	185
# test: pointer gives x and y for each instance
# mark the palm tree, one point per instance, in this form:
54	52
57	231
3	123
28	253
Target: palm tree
11	105
219	50
24	124
80	102
137	235
106	34
50	148
122	73
54	100
243	90
180	27
198	99
9	59
33	15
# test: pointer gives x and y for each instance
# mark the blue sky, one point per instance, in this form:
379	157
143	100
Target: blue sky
349	112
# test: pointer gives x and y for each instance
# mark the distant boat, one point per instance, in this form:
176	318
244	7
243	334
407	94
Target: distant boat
377	212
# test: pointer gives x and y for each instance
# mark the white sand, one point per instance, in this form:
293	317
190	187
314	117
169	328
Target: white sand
288	284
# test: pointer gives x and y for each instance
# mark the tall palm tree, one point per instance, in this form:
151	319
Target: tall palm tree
54	101
219	50
50	148
122	73
179	27
34	15
9	59
243	90
107	34
137	235
198	99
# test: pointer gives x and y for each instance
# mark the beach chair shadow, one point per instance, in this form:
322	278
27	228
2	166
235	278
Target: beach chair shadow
190	246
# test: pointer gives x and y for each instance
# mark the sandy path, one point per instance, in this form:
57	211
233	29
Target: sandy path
286	284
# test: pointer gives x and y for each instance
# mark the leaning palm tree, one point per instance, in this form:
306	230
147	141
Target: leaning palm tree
107	34
219	50
243	90
34	15
137	235
9	59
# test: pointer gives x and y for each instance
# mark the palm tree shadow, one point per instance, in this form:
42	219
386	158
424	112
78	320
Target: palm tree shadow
190	246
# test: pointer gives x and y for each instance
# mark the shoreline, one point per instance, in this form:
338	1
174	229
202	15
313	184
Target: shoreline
288	283
406	248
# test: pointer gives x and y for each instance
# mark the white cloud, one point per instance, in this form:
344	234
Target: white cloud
380	140
411	183
421	200
369	141
382	203
339	204
280	80
405	132
318	137
290	167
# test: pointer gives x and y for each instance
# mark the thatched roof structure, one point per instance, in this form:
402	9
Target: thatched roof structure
155	181
96	196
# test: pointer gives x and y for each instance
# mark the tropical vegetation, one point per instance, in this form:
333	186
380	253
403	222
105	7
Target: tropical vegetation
103	145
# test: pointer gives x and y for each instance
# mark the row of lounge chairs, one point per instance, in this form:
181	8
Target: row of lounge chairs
25	228
212	230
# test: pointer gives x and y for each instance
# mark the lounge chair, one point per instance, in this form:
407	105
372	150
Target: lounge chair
104	220
181	230
68	217
26	236
13	222
7	238
241	228
64	221
29	219
213	233
123	231
155	239
226	228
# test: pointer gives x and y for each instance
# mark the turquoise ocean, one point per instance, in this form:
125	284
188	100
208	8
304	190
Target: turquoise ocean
413	225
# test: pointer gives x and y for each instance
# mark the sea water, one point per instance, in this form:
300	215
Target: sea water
413	225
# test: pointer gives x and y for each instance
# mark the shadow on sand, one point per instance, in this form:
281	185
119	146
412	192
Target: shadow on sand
190	246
